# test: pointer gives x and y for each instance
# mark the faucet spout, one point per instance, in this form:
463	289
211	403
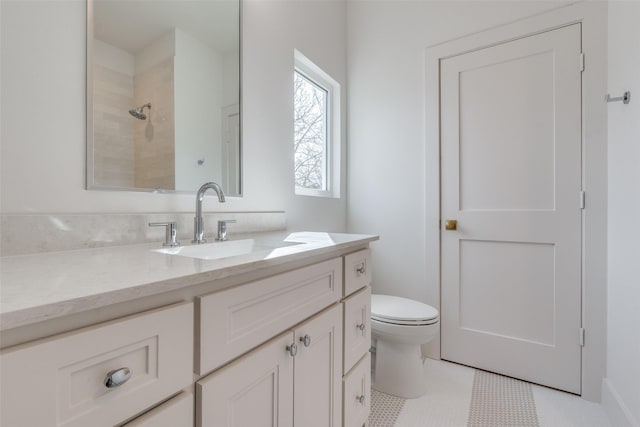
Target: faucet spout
198	221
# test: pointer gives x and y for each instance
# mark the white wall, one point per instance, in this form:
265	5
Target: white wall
198	117
157	51
230	67
387	42
621	389
43	110
273	29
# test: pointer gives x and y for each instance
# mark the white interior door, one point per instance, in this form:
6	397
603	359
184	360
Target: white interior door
511	177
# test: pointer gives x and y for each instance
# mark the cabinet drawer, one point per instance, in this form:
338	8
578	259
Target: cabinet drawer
64	376
357	327
357	394
357	271
176	412
233	321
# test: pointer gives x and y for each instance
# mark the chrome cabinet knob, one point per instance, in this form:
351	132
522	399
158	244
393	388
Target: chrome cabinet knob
292	349
360	399
361	326
362	269
306	340
117	377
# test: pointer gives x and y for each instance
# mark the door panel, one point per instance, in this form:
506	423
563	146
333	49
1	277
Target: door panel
255	390
526	285
318	371
521	90
511	177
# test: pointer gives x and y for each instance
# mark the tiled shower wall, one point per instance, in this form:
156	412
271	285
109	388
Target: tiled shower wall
154	137
113	128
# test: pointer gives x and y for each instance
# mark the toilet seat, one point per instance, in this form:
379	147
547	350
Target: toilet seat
402	311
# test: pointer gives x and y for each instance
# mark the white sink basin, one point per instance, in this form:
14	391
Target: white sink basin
224	249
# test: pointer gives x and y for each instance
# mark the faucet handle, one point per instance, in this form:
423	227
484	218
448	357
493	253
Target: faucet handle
222	228
171	232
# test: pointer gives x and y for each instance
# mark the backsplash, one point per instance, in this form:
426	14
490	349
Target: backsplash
26	234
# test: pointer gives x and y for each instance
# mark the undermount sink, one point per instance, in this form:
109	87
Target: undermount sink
224	249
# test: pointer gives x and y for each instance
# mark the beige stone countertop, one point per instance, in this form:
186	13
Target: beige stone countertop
44	286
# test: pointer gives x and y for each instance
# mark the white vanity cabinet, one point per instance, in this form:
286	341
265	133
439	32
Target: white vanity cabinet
298	378
357	338
233	321
286	345
258	388
60	381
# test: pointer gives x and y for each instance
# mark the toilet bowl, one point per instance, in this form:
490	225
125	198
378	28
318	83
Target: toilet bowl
400	326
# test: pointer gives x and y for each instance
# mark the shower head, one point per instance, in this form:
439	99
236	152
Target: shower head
138	112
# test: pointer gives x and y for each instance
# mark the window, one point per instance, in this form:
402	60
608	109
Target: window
316	108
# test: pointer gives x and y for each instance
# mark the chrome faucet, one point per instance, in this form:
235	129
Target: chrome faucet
198	222
222	229
171	232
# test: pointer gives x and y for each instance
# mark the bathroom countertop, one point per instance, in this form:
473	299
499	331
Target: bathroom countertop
45	286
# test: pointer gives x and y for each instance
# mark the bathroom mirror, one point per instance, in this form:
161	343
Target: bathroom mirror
163	95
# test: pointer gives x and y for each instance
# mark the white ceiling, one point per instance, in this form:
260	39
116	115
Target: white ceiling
133	24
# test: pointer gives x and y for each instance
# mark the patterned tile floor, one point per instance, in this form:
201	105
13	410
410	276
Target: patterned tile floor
459	396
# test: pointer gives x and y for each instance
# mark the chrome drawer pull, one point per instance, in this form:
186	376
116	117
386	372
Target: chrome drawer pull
360	399
117	377
306	340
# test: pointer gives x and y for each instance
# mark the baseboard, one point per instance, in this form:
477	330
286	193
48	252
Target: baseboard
618	413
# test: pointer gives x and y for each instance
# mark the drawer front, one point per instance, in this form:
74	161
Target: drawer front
357	327
176	412
233	321
357	271
357	394
64	376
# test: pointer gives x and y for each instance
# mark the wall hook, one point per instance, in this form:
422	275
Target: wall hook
626	98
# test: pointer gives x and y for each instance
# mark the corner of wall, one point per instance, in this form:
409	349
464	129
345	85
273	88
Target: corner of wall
618	413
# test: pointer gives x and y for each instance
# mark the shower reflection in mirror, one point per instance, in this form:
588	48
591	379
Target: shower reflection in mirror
165	94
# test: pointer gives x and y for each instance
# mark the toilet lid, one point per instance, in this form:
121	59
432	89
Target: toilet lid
403	311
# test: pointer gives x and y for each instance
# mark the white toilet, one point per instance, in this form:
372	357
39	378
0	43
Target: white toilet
400	326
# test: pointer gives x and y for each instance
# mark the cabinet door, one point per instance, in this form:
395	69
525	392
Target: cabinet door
318	370
357	327
256	390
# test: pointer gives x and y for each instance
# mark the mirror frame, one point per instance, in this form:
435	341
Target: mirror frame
90	183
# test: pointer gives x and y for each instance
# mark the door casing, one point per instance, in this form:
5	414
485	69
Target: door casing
593	16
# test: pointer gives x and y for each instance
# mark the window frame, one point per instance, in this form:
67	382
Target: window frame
318	77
